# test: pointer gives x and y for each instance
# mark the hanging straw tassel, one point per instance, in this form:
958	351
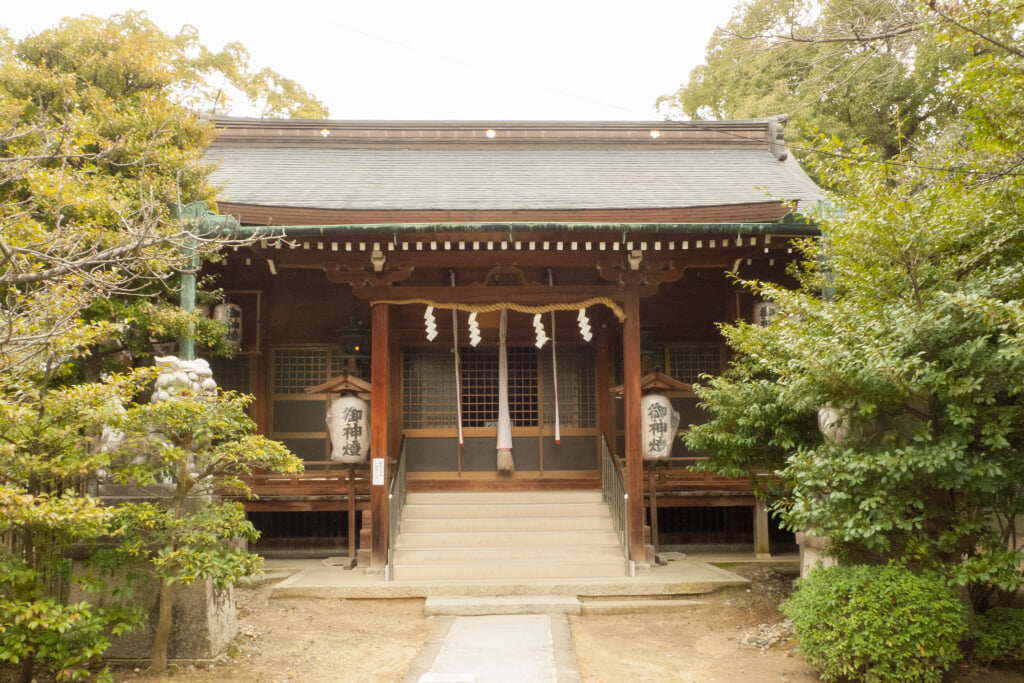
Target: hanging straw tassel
505	463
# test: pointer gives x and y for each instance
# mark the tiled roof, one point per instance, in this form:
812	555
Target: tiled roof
454	166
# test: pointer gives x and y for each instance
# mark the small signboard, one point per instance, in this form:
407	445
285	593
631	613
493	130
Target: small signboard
378	471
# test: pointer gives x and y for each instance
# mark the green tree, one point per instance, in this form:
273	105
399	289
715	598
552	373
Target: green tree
917	350
45	454
865	71
102	130
201	445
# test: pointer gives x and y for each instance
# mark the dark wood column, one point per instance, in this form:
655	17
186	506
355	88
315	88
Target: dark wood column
604	376
379	362
395	406
631	409
261	361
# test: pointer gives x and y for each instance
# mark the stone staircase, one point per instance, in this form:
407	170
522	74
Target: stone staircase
476	536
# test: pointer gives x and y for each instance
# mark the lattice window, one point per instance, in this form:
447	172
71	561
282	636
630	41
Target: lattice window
687	362
428	389
577	403
480	386
297	369
522	386
232	374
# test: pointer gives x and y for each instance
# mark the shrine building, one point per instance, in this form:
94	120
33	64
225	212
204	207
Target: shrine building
504	296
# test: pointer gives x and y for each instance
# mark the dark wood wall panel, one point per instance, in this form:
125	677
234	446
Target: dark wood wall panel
574	453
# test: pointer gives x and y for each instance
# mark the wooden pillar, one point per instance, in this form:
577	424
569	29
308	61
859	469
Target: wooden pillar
761	546
631	410
379	437
604	373
262	372
395	406
351	481
652	497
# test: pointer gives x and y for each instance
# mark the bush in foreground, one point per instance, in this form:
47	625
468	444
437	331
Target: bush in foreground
877	624
999	635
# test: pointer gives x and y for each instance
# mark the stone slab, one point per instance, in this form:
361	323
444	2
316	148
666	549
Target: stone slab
593	607
683	577
502	604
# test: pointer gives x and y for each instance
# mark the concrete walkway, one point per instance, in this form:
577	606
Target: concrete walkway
497	649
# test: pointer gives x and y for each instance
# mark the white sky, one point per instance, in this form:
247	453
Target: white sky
445	59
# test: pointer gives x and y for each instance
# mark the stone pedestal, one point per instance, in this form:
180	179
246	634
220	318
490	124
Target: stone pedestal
812	551
203	620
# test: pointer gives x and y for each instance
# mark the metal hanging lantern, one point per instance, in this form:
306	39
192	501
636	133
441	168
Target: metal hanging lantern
231	315
354	340
354	348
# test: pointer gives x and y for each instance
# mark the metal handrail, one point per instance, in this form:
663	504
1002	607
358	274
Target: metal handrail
613	488
396	501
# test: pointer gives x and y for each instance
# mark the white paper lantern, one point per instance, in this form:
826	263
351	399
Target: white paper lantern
348	422
658	422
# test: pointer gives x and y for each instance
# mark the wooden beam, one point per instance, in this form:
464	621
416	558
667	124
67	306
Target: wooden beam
631	407
379	436
526	295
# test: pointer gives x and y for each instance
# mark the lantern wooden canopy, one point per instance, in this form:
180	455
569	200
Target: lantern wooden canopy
656	381
342	383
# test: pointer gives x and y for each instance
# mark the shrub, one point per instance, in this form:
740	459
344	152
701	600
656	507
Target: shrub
881	623
999	635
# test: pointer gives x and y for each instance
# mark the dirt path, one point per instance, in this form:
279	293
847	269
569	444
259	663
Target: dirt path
328	640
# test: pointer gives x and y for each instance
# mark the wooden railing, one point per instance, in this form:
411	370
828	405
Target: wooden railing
613	487
673	475
396	501
318	479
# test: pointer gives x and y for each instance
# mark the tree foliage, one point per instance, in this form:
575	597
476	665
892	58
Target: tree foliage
916	352
45	453
869	72
101	132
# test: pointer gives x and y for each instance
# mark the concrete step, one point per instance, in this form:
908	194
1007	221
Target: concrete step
504	497
639	606
494	524
477	510
468	539
501	604
481	536
519	569
404	556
